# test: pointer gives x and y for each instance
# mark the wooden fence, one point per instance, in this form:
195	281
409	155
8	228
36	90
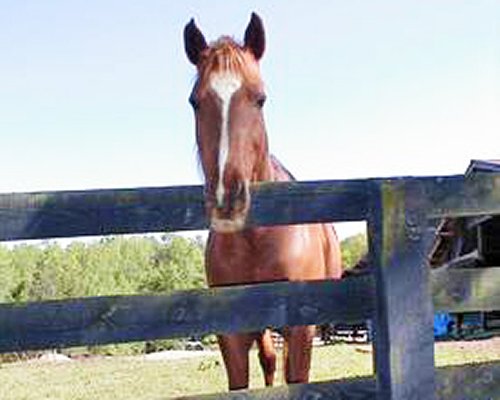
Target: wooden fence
401	295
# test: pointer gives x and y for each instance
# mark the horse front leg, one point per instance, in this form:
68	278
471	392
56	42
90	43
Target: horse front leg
267	356
297	353
234	349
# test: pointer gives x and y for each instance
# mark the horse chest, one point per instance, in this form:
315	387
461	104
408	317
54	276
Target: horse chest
270	254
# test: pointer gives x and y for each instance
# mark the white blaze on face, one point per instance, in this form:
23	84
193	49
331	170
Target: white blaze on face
224	84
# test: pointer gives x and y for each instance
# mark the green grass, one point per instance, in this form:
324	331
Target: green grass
135	378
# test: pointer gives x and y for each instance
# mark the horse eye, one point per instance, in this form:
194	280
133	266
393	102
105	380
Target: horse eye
194	102
261	100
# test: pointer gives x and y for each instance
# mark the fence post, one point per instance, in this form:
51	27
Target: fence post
404	342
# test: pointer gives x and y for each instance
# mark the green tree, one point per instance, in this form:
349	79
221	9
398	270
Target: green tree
8	275
46	274
23	261
111	266
176	265
353	249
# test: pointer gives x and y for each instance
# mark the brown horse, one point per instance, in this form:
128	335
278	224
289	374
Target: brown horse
227	99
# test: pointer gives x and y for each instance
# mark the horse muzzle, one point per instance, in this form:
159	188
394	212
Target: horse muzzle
229	213
223	225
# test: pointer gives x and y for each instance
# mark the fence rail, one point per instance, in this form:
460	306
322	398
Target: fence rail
401	215
114	319
42	215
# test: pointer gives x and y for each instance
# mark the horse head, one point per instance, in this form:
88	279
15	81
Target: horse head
227	99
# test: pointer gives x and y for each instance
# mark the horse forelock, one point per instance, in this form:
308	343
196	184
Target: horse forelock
225	55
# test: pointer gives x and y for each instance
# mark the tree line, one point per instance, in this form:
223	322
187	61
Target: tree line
110	266
114	266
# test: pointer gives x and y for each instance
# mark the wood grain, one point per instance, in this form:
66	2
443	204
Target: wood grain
115	319
403	341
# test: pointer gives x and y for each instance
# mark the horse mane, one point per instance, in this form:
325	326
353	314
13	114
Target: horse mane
227	55
277	165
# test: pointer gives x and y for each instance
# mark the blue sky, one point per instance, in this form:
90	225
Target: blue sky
93	94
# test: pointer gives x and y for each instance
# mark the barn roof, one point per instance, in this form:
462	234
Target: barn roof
483	166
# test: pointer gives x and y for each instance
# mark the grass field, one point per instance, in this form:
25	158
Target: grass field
137	378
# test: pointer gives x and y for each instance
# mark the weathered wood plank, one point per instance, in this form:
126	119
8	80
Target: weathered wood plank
133	318
472	382
464	260
101	212
123	318
404	342
466	289
458	195
316	201
436	197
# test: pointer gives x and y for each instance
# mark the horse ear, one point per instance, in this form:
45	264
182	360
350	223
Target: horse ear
194	42
255	37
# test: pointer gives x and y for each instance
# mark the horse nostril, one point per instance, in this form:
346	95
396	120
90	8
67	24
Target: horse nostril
241	191
234	201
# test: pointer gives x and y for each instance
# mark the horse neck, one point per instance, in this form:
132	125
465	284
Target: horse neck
271	170
279	172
